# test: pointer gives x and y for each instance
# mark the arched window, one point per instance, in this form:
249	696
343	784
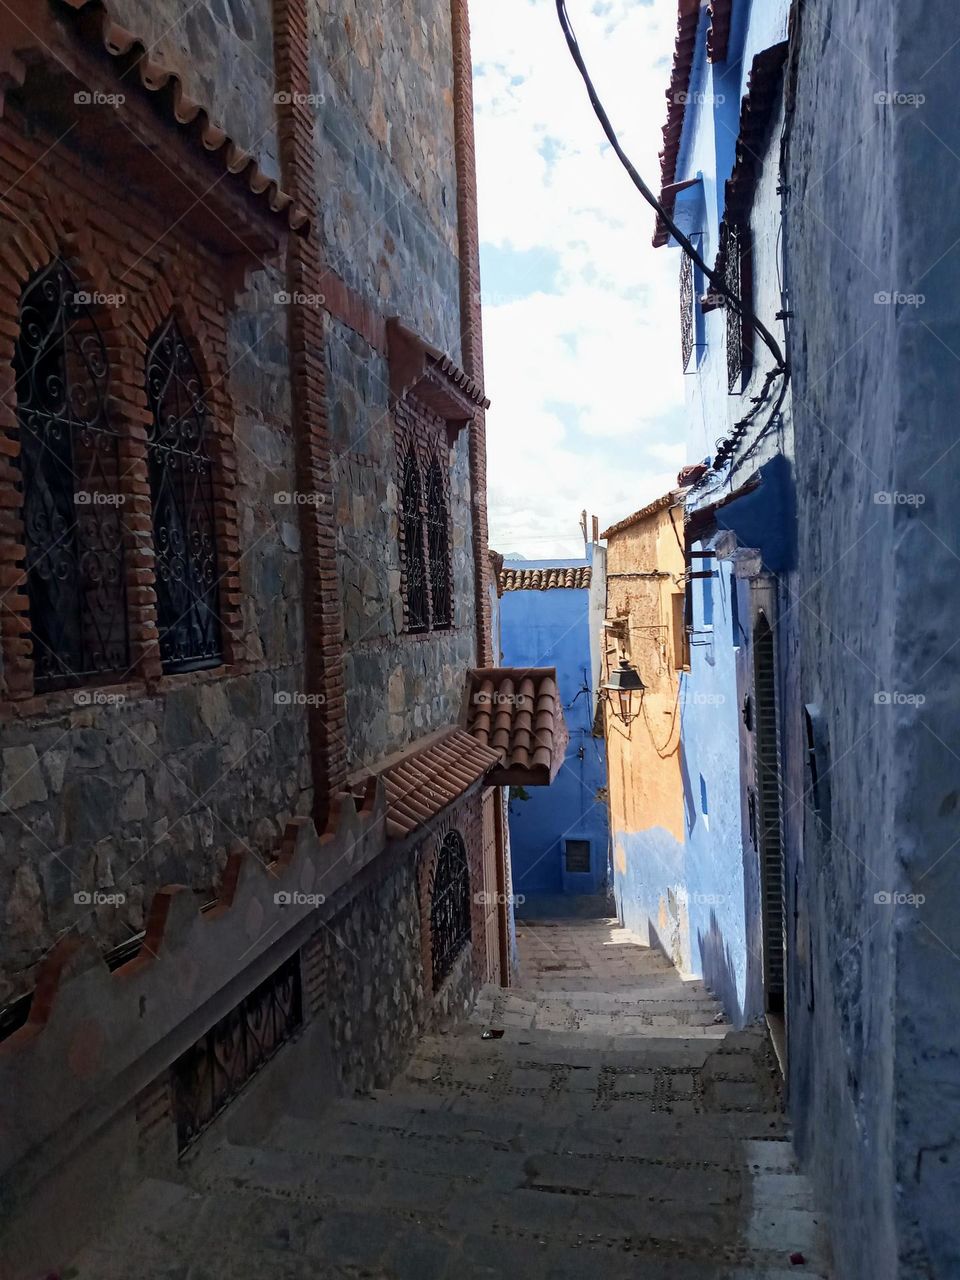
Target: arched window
438	540
449	906
181	489
411	499
70	471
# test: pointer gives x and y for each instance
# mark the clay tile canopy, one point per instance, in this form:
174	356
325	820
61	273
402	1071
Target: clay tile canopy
553	577
128	50
668	500
419	370
688	20
517	711
423	781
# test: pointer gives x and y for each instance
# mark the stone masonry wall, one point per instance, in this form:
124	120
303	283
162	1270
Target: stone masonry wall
873	1042
124	789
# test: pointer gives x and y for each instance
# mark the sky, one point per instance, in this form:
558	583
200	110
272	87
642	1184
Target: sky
580	312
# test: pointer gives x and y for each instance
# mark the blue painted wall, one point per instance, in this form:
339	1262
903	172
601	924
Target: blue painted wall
552	629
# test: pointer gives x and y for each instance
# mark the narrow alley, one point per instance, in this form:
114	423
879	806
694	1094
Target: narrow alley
618	1126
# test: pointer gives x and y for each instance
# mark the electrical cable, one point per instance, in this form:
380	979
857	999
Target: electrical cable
718	283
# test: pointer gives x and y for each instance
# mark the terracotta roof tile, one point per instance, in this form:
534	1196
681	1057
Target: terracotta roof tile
548	579
424	780
658	504
718	37
517	712
688	20
756	109
422	370
156	78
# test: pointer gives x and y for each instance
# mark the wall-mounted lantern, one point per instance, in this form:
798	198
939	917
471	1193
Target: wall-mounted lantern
629	689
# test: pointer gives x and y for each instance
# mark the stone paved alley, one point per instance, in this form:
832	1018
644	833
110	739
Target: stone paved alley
618	1127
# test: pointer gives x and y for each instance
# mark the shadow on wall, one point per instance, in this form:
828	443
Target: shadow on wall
719	971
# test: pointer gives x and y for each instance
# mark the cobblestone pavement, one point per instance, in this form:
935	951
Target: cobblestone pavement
617	1127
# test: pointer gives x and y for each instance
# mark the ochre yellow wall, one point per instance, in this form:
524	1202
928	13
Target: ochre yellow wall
643	761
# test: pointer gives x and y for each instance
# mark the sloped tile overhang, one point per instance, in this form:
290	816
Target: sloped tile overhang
422	372
53	51
428	776
517	712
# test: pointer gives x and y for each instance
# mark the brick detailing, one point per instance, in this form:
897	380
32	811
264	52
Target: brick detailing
323	613
417	427
37	225
468	820
470	311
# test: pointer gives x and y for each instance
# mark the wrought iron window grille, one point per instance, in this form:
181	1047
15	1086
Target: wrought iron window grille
692	338
449	906
184	522
438	543
211	1074
735	256
415	572
70	485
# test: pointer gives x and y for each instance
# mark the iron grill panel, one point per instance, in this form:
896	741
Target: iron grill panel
449	906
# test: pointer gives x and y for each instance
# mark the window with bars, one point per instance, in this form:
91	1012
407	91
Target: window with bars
735	250
70	485
181	489
449	905
426	546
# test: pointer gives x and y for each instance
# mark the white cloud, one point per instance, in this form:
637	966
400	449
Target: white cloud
605	345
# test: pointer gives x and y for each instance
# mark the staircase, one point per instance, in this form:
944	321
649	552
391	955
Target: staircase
617	1127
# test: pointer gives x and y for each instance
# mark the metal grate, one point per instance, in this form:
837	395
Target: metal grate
438	540
768	805
211	1074
449	906
687	318
181	489
70	472
576	856
735	254
413	554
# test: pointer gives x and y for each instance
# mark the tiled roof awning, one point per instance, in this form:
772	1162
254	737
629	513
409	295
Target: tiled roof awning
423	781
549	579
756	110
718	37
417	369
517	712
688	20
627	522
130	50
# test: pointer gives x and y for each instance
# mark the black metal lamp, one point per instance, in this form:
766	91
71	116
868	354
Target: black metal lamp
625	682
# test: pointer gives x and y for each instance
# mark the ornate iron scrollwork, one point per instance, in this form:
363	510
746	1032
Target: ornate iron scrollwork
70	472
208	1076
449	905
687	321
438	539
413	552
734	252
181	487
